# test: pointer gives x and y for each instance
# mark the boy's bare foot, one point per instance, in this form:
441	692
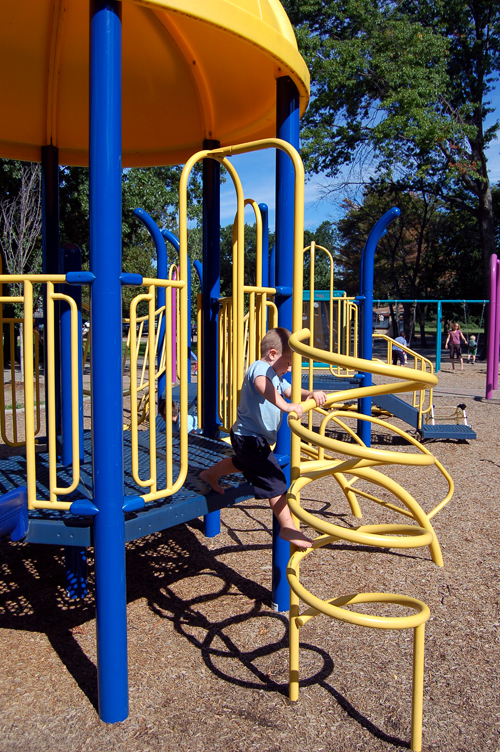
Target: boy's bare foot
210	480
292	535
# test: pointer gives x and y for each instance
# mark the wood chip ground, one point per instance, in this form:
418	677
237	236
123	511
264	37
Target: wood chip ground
208	656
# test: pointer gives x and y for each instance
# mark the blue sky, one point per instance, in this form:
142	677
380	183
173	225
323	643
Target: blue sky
257	172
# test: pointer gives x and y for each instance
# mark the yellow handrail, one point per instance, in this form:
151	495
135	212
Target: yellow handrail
421	362
139	382
30	379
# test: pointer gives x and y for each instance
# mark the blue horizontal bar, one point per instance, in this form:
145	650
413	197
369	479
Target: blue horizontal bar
283	292
131	279
323	294
83	508
80	278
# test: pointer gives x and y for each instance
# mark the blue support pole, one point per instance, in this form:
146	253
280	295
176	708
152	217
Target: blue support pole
210	290
14	513
175	242
210	308
272	266
70	260
366	323
106	376
76	571
50	258
287	126
162	273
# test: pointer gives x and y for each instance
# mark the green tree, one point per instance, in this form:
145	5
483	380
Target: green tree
250	254
153	189
432	251
400	90
326	236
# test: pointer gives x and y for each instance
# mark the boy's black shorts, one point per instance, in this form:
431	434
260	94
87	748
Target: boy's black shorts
255	459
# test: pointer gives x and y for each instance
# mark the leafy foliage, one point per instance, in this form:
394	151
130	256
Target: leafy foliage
425	254
400	92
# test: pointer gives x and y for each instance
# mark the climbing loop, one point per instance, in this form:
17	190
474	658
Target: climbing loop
316	455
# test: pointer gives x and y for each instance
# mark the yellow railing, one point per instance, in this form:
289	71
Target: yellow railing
237	342
421	399
144	379
139	383
144	382
255	326
31	370
11	400
315	456
342	312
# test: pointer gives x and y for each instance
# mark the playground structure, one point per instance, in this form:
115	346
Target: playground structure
113	486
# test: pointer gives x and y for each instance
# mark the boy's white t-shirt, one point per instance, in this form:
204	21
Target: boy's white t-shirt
257	416
192	424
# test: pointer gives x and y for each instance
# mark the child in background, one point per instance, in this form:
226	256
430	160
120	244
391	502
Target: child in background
259	415
471	356
191	423
454	337
398	355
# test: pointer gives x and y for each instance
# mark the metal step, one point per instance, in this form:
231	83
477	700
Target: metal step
445	431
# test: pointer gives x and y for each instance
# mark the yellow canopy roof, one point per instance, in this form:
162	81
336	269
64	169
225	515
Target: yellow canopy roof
192	69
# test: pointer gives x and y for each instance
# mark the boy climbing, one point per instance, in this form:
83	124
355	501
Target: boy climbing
259	415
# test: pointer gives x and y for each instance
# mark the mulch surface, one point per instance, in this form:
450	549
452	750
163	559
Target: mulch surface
208	662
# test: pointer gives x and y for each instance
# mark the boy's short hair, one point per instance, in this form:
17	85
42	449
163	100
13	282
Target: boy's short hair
162	408
275	339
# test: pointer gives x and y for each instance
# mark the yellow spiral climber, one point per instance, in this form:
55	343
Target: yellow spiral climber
312	459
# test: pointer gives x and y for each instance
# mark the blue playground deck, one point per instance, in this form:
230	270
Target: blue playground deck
194	500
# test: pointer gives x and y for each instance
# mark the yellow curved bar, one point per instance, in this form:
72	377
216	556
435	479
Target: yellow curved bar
412	440
368	535
312	459
333	607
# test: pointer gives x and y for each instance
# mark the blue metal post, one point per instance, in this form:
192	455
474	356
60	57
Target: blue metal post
210	307
265	248
272	266
210	290
366	323
175	242
162	273
70	260
287	128
76	571
106	377
50	257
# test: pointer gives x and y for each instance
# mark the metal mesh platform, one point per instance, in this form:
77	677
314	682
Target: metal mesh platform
446	431
328	382
195	499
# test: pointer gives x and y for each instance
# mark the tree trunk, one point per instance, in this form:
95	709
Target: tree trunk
395	324
487	233
422	313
